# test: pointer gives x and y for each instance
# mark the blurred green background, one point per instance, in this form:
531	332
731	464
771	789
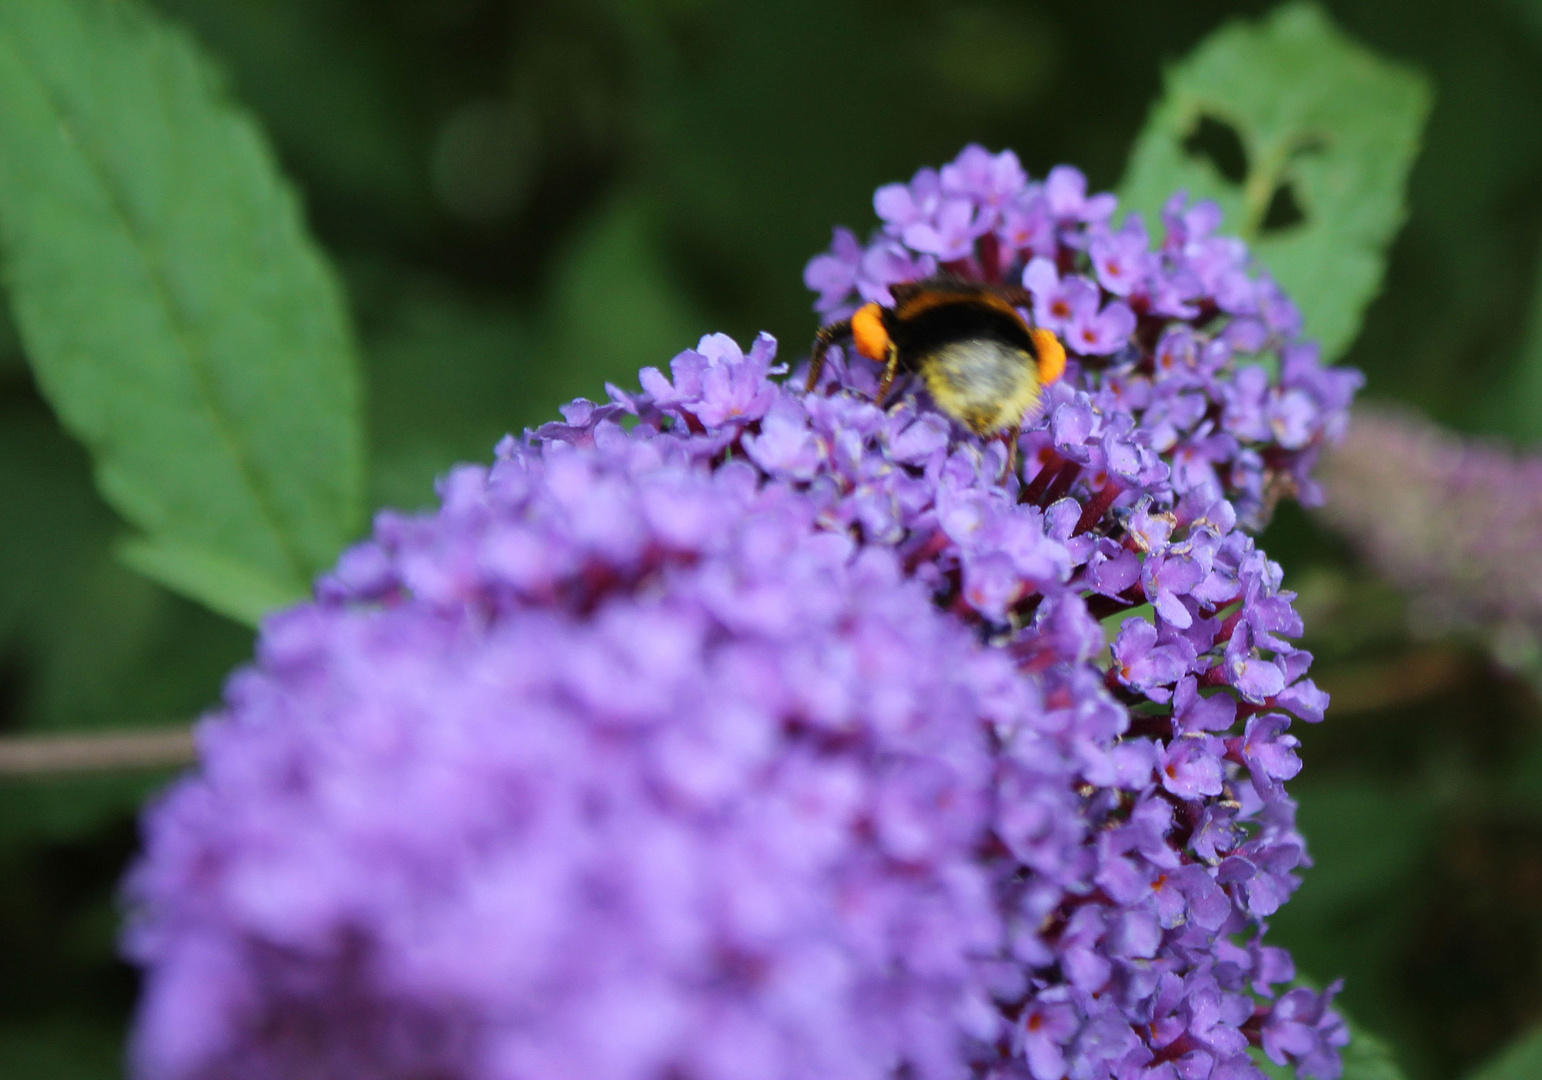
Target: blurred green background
528	199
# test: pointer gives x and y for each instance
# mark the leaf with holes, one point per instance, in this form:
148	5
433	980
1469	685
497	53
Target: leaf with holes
176	314
1305	139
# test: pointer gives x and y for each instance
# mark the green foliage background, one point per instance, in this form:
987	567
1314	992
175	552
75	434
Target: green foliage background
501	205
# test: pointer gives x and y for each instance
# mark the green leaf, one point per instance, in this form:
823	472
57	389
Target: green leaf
1522	1060
1368	1058
175	312
1328	131
224	585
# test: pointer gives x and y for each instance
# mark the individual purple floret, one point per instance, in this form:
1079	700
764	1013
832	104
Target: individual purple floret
727	730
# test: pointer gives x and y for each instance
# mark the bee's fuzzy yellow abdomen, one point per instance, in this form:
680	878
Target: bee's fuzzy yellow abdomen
987	385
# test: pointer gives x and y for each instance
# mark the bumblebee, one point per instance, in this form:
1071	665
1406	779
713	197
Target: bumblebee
982	362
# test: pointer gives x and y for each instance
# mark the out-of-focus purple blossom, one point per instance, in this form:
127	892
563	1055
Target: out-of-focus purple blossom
834	275
775	734
887	263
989	181
1065	193
903	205
639	774
1026	226
1188	224
1056	299
1279	311
1121	258
1454	522
952	233
1092	331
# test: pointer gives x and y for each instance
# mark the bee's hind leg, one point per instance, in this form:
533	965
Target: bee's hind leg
827	336
890	370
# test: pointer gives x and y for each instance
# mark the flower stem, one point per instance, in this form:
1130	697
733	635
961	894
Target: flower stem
42	755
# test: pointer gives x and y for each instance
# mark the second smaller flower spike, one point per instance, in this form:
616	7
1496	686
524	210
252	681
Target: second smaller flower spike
1454	522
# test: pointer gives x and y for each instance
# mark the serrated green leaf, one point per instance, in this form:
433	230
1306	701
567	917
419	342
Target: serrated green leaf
224	585
174	310
1317	115
1522	1060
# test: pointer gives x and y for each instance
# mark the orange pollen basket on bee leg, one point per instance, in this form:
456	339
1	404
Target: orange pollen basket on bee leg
1051	354
868	333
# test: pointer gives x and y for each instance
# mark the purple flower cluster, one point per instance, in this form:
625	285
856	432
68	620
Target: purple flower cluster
1453	522
1182	338
615	768
724	730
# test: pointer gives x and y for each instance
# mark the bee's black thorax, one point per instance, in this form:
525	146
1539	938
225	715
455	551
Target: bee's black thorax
922	334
